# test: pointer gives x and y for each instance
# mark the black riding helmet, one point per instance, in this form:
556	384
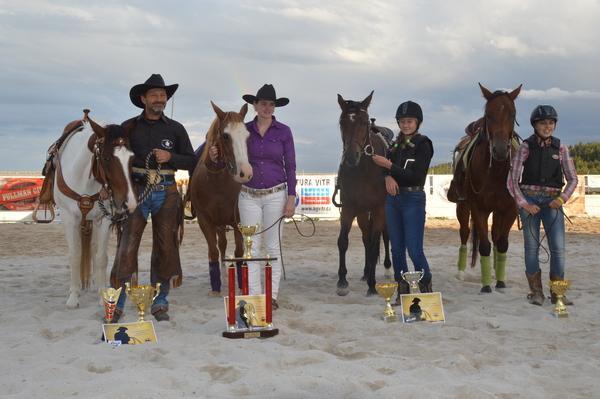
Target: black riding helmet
410	109
542	112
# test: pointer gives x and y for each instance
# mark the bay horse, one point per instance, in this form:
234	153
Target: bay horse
214	191
485	189
362	189
92	166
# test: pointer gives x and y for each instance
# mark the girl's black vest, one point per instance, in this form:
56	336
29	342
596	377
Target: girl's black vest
542	167
401	152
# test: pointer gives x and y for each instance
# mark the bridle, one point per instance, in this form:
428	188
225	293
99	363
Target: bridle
367	144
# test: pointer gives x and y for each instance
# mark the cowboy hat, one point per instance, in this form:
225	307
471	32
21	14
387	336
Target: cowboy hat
267	92
155	81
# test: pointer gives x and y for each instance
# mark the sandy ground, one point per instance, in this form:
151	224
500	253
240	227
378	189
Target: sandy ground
493	346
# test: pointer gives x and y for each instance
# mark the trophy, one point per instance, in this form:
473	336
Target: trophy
248	232
110	296
386	290
142	296
559	288
413	278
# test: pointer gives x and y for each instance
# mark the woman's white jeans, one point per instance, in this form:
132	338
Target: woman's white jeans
263	210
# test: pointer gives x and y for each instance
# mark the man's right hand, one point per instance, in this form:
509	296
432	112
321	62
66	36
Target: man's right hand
213	153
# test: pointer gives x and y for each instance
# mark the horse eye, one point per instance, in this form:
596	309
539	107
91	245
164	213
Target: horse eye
226	136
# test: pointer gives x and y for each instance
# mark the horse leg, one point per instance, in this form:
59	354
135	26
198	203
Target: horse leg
481	225
463	215
387	263
345	225
73	236
365	223
501	228
100	236
214	266
377	227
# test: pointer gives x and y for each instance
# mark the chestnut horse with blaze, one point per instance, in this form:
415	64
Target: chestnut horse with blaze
214	189
485	189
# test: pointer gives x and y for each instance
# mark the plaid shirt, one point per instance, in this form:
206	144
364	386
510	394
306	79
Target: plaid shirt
516	171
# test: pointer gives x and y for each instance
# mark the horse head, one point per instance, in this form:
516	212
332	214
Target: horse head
499	120
112	163
354	125
229	134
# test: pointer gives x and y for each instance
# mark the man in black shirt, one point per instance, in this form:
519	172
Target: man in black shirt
163	141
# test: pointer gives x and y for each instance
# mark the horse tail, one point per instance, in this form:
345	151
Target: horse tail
474	244
85	264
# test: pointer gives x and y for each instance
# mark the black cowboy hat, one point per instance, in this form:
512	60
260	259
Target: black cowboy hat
122	329
155	81
416	300
267	92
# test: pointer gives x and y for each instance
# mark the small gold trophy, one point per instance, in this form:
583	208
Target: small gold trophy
413	278
559	288
248	232
386	290
110	296
142	296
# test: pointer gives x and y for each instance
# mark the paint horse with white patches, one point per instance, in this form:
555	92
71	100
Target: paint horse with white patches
93	165
214	188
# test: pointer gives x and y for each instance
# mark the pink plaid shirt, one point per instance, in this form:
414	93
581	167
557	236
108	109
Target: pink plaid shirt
514	176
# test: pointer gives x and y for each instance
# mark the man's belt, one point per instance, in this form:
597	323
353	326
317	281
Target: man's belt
259	192
410	189
140	175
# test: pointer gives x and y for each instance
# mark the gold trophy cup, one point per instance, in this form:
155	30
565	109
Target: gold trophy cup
559	288
110	296
142	296
386	290
413	278
248	232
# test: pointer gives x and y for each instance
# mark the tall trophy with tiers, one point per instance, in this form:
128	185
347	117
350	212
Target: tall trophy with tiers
249	316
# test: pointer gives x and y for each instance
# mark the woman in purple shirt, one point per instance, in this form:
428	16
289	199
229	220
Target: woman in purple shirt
271	193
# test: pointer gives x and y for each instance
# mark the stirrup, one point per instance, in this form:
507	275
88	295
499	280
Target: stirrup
47	208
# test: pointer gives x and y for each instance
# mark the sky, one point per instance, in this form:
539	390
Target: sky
59	57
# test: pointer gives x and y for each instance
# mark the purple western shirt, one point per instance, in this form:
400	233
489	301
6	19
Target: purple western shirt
272	156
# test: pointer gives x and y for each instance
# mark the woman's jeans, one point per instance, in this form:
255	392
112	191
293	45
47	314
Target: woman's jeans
405	218
554	226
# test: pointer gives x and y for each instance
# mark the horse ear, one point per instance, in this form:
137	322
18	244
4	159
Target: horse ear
486	93
365	103
99	130
342	102
218	110
244	110
513	94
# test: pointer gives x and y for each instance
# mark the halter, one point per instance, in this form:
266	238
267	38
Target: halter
367	144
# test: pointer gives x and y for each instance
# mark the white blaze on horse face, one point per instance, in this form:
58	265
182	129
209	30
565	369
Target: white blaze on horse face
239	137
124	155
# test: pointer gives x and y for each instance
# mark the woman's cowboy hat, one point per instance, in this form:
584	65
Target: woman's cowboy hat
267	92
155	81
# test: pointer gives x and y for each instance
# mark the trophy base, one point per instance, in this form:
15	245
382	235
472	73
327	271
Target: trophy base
560	315
245	334
389	319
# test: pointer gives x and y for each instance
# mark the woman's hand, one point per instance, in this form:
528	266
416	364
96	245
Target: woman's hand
531	209
391	186
213	153
290	206
382	161
556	203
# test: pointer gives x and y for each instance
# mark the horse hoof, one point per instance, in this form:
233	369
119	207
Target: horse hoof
460	275
371	292
342	291
500	285
214	293
73	302
486	289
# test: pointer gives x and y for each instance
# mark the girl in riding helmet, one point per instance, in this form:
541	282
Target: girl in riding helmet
406	171
536	183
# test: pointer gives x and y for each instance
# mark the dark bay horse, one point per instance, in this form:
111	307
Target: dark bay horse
214	189
362	188
485	188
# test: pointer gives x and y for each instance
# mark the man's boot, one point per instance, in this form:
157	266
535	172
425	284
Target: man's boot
553	296
536	296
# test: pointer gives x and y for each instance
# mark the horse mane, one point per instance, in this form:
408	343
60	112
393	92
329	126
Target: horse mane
211	137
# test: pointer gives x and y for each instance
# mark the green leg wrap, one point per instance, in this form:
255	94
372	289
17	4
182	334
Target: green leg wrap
500	266
462	258
486	270
495	256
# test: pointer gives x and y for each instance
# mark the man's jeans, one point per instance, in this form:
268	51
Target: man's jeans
405	218
554	226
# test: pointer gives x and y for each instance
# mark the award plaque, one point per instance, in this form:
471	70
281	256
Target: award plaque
130	333
422	307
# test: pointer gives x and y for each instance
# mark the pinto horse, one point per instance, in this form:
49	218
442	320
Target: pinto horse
214	190
485	189
93	166
362	189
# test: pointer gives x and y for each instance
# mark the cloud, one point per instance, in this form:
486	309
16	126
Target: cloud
556	93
